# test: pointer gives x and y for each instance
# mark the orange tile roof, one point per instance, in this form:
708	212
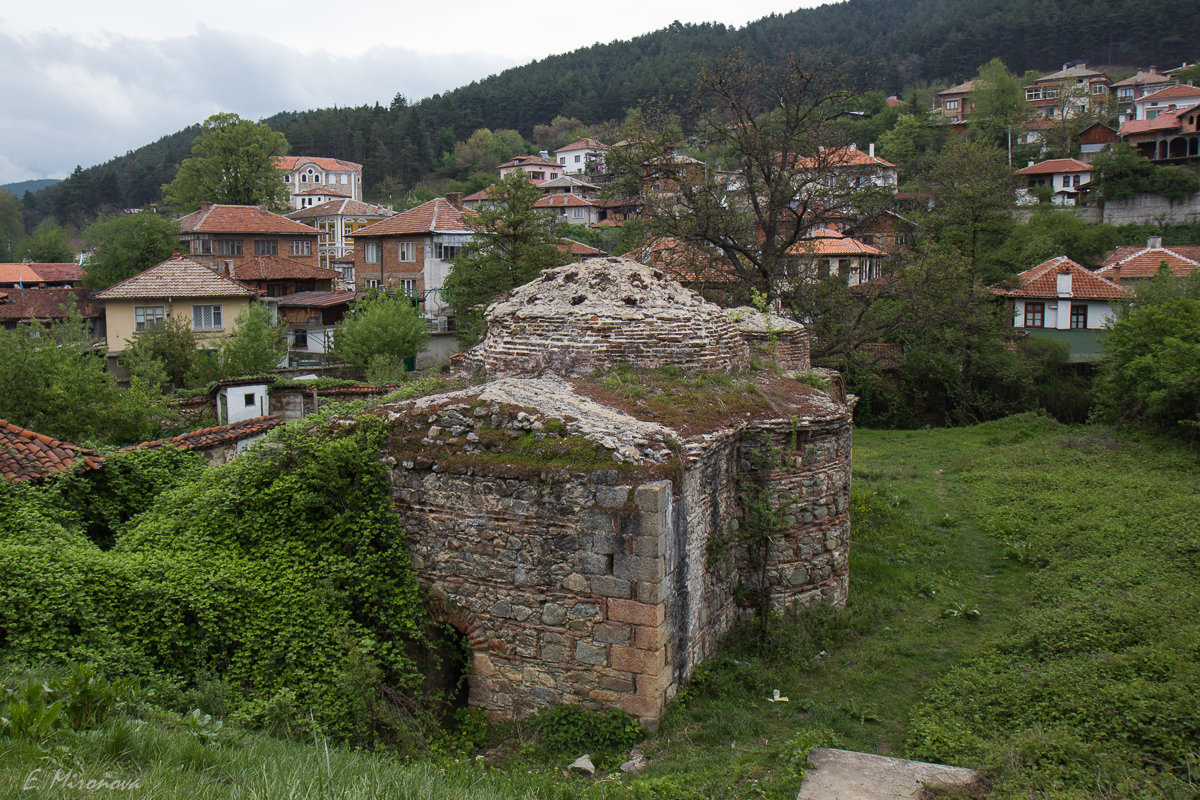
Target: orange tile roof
47	302
583	144
29	456
208	438
218	218
847	157
317	190
1165	121
436	215
577	248
828	242
328	164
562	201
178	276
19	273
1145	262
1188	251
1042	282
684	262
278	268
529	161
344	208
1172	93
895	102
1056	165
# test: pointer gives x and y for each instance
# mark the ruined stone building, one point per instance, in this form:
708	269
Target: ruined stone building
580	516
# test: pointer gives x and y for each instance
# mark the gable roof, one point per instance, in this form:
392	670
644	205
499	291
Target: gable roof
574	248
178	276
437	215
329	164
1140	78
1176	92
529	161
345	208
583	144
208	438
828	242
28	456
1055	165
1080	71
1042	282
562	201
1165	121
27	272
218	218
47	302
849	156
567	182
278	268
1144	262
962	88
1188	251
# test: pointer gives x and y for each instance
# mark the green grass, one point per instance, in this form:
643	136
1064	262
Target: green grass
1079	677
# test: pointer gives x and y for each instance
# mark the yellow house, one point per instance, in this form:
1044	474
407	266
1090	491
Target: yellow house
178	287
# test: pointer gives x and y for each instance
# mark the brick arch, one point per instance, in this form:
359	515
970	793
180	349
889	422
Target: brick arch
480	665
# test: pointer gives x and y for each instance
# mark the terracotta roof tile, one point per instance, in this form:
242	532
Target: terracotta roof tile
529	161
828	242
436	215
962	88
48	302
240	219
684	262
178	276
577	248
1145	262
319	190
328	164
277	268
1042	282
1172	93
1142	78
31	273
344	208
318	299
19	273
1056	165
29	456
563	201
1188	251
208	438
1166	121
583	144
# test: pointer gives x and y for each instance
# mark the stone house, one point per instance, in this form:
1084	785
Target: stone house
178	287
226	236
312	180
412	252
605	577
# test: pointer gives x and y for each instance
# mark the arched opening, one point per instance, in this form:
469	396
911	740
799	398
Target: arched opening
1194	146
1162	150
446	662
1178	148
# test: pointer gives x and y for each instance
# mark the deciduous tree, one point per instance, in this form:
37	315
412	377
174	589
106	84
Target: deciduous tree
49	244
380	324
125	244
233	161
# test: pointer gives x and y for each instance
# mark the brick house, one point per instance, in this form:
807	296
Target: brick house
413	251
955	103
226	236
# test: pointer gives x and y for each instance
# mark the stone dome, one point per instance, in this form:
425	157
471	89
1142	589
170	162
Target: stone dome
601	312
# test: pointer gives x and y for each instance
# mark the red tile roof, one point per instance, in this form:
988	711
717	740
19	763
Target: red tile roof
47	302
29	456
1188	251
1144	263
318	299
240	219
317	190
847	157
208	438
563	201
1042	282
436	215
19	273
1165	121
344	208
583	144
577	248
178	276
68	272
895	102
828	242
529	161
1056	165
278	268
328	164
1172	93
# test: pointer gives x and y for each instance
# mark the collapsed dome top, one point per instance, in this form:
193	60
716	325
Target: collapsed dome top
601	312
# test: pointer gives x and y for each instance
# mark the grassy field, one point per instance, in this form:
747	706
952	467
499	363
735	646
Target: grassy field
1024	599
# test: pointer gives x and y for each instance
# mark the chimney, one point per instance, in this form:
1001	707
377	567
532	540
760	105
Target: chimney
1066	66
1064	283
455	199
853	145
1116	275
175	253
205	205
1153	69
1030	164
1154	243
871	149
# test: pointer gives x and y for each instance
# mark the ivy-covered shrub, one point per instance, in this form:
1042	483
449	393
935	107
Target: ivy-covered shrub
283	575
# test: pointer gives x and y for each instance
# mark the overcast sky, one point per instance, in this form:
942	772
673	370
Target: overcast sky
82	81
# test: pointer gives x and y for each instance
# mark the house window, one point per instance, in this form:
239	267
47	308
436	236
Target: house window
206	318
348	274
266	247
1035	315
248	399
562	159
372	283
1076	180
577	212
1079	315
446	252
371	252
276	289
231	247
1033	94
576	159
147	318
300	339
951	104
407	251
201	246
302	248
409	286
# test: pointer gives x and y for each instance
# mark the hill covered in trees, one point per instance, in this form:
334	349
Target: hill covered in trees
880	44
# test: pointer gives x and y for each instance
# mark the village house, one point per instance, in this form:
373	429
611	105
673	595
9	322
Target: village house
1173	135
1094	139
1130	264
181	288
1062	300
1066	178
536	168
1068	92
226	236
333	178
413	251
1134	87
582	156
275	276
336	221
310	318
47	304
26	274
826	252
1165	100
954	104
570	208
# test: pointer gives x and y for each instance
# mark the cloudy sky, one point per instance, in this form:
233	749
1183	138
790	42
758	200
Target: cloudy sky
82	81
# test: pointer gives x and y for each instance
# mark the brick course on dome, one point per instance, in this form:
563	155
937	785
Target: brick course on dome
606	311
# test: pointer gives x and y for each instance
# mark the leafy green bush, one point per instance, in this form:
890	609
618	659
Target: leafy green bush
570	730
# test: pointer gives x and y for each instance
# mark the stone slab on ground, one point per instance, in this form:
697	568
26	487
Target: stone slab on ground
845	775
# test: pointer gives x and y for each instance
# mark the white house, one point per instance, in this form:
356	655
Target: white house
1172	98
1066	177
570	208
536	168
582	156
331	177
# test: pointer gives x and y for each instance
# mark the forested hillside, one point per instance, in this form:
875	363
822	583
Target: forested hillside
881	44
